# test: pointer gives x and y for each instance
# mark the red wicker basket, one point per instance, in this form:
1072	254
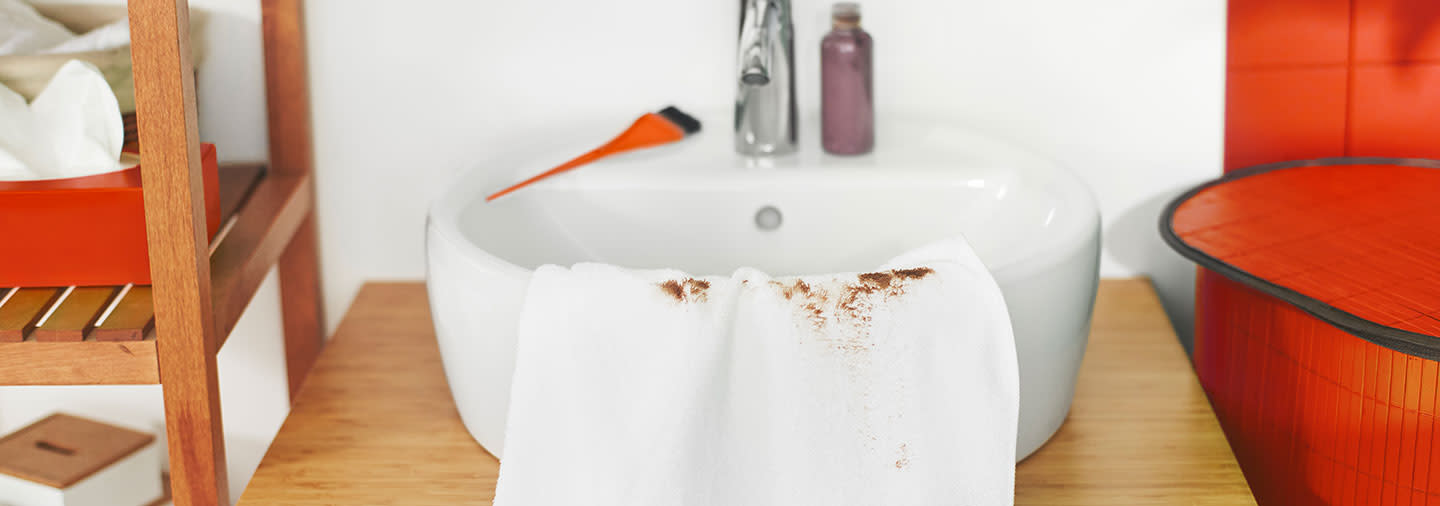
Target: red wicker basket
1317	310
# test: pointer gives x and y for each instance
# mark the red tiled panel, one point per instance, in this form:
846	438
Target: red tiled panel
1280	114
1288	32
1396	30
1395	110
1363	259
1316	416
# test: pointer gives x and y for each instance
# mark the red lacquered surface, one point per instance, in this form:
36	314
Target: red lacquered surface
1289	113
1323	78
1288	32
83	231
1396	30
1316	319
1364	239
1315	415
1393	110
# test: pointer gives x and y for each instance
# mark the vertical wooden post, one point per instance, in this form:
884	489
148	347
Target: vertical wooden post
288	98
175	231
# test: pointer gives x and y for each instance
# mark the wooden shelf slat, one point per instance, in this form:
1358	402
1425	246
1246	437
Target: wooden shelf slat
132	318
82	363
23	310
237	181
75	315
271	215
268	210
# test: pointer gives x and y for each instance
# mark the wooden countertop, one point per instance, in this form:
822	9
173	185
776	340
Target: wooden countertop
375	424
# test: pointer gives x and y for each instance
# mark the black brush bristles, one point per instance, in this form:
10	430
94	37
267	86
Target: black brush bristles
686	122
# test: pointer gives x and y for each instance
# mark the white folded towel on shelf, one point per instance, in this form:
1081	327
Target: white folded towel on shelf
24	31
112	35
637	388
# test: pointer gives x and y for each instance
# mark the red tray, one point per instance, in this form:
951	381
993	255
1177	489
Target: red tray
1317	314
84	231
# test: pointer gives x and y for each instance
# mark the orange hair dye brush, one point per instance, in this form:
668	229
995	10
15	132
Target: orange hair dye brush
652	129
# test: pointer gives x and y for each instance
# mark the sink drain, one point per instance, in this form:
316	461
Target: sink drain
768	218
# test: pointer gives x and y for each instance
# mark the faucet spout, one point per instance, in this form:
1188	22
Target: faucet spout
755	73
765	109
755	41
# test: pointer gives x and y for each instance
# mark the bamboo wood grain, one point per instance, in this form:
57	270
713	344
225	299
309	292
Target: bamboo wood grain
179	247
1141	430
132	318
375	423
23	310
83	363
75	315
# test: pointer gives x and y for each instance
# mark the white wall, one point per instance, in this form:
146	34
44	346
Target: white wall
1129	93
1126	92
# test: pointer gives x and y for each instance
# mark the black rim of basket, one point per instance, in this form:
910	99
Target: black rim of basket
1403	341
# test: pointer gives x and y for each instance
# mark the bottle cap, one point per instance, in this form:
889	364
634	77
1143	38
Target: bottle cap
847	12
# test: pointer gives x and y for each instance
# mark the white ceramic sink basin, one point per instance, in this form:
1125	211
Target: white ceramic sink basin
694	206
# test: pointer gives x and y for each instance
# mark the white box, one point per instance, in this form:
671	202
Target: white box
64	460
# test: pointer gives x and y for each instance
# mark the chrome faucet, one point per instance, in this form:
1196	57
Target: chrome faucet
765	94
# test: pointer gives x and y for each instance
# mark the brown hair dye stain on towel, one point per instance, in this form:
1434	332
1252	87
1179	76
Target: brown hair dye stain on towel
876	279
849	304
858	301
686	290
904	461
839	314
811	304
697	288
915	273
797	287
674	288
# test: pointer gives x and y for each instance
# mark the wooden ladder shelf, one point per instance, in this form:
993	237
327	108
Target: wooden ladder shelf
169	333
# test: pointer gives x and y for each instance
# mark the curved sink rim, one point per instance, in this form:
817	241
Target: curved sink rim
1070	191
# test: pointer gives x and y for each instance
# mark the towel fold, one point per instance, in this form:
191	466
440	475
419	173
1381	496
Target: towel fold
637	388
24	31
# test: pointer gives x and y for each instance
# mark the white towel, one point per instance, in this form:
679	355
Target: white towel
638	388
24	31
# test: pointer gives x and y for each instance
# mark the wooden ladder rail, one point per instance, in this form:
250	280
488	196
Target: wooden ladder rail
287	94
176	235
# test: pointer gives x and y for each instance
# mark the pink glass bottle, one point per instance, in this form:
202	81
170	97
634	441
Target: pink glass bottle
847	106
